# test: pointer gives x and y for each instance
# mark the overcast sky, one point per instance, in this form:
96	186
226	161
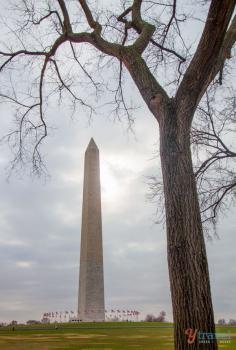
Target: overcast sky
40	224
40	227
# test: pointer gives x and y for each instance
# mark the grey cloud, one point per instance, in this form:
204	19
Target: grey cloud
40	227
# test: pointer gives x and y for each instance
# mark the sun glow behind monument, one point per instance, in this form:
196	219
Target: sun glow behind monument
111	191
119	174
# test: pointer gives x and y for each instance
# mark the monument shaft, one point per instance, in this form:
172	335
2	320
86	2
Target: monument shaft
91	282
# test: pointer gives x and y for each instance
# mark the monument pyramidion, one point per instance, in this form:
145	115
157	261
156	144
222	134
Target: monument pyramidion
91	282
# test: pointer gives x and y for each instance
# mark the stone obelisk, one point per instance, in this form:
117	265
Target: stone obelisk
91	282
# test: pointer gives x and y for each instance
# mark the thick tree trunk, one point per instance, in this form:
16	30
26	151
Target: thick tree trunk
187	260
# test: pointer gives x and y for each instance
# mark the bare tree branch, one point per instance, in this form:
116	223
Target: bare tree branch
206	55
93	24
215	177
66	24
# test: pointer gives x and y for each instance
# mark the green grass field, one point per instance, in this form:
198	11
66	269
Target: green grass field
96	336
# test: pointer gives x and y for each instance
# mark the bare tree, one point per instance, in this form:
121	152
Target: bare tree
212	137
159	318
149	318
141	38
232	322
221	322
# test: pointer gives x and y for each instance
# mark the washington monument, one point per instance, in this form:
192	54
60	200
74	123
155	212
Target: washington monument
91	282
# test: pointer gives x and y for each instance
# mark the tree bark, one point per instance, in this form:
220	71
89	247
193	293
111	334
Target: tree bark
187	260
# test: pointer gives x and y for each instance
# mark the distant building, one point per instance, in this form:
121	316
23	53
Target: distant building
32	322
45	320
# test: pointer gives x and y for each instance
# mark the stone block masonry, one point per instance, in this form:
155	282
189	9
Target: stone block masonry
91	281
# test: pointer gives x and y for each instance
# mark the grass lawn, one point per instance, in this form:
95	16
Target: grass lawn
96	336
